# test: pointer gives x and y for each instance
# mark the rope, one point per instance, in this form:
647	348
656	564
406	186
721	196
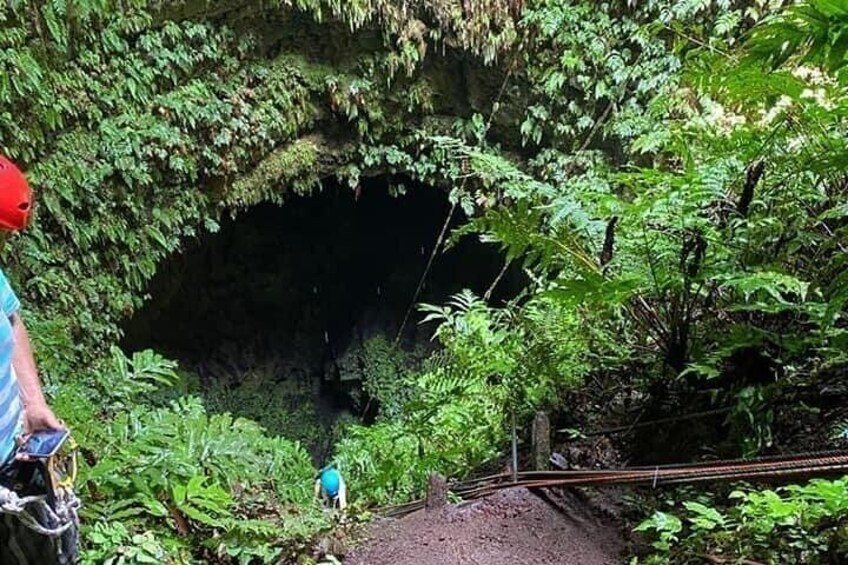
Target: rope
488	294
65	514
423	278
34	511
495	107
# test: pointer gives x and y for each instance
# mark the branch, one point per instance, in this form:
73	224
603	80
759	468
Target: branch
722	560
609	240
598	123
753	174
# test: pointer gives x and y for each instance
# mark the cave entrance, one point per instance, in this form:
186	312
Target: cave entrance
260	313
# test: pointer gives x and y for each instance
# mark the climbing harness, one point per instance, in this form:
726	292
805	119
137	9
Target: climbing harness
30	509
40	528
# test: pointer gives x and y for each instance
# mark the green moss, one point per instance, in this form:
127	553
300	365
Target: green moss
292	167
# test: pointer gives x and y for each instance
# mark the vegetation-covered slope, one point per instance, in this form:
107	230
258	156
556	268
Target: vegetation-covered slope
669	175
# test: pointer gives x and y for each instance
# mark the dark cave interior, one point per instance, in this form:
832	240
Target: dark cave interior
305	281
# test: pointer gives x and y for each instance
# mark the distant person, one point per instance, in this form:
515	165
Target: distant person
330	486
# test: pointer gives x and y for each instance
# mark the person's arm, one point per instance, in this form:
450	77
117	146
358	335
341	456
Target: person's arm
38	414
317	488
342	495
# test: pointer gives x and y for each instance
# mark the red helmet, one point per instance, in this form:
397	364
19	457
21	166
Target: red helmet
15	197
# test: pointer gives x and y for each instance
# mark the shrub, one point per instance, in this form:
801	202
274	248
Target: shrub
793	524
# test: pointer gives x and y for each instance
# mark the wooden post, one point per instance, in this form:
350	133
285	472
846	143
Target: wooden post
514	449
437	492
541	441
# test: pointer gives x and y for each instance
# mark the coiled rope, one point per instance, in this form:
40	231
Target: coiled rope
27	508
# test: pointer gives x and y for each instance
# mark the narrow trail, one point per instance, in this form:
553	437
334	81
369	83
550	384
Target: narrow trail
504	523
513	527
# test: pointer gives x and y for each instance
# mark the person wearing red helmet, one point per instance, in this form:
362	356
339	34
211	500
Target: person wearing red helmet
23	411
23	408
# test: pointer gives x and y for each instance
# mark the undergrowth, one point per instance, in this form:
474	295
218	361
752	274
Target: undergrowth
668	175
792	524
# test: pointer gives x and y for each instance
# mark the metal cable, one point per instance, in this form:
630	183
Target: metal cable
761	468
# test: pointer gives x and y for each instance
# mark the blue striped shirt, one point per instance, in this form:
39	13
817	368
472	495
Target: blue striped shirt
10	397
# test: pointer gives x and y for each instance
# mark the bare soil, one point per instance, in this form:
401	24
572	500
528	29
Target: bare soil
512	527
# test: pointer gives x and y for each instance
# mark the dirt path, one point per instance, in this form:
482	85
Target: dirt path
513	527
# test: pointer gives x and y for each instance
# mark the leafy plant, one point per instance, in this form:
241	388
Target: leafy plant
666	527
283	407
675	200
798	523
114	544
196	473
123	382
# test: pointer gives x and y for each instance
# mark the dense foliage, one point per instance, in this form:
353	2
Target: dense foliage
793	524
668	175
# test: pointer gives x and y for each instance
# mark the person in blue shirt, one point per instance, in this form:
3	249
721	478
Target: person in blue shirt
23	408
330	486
